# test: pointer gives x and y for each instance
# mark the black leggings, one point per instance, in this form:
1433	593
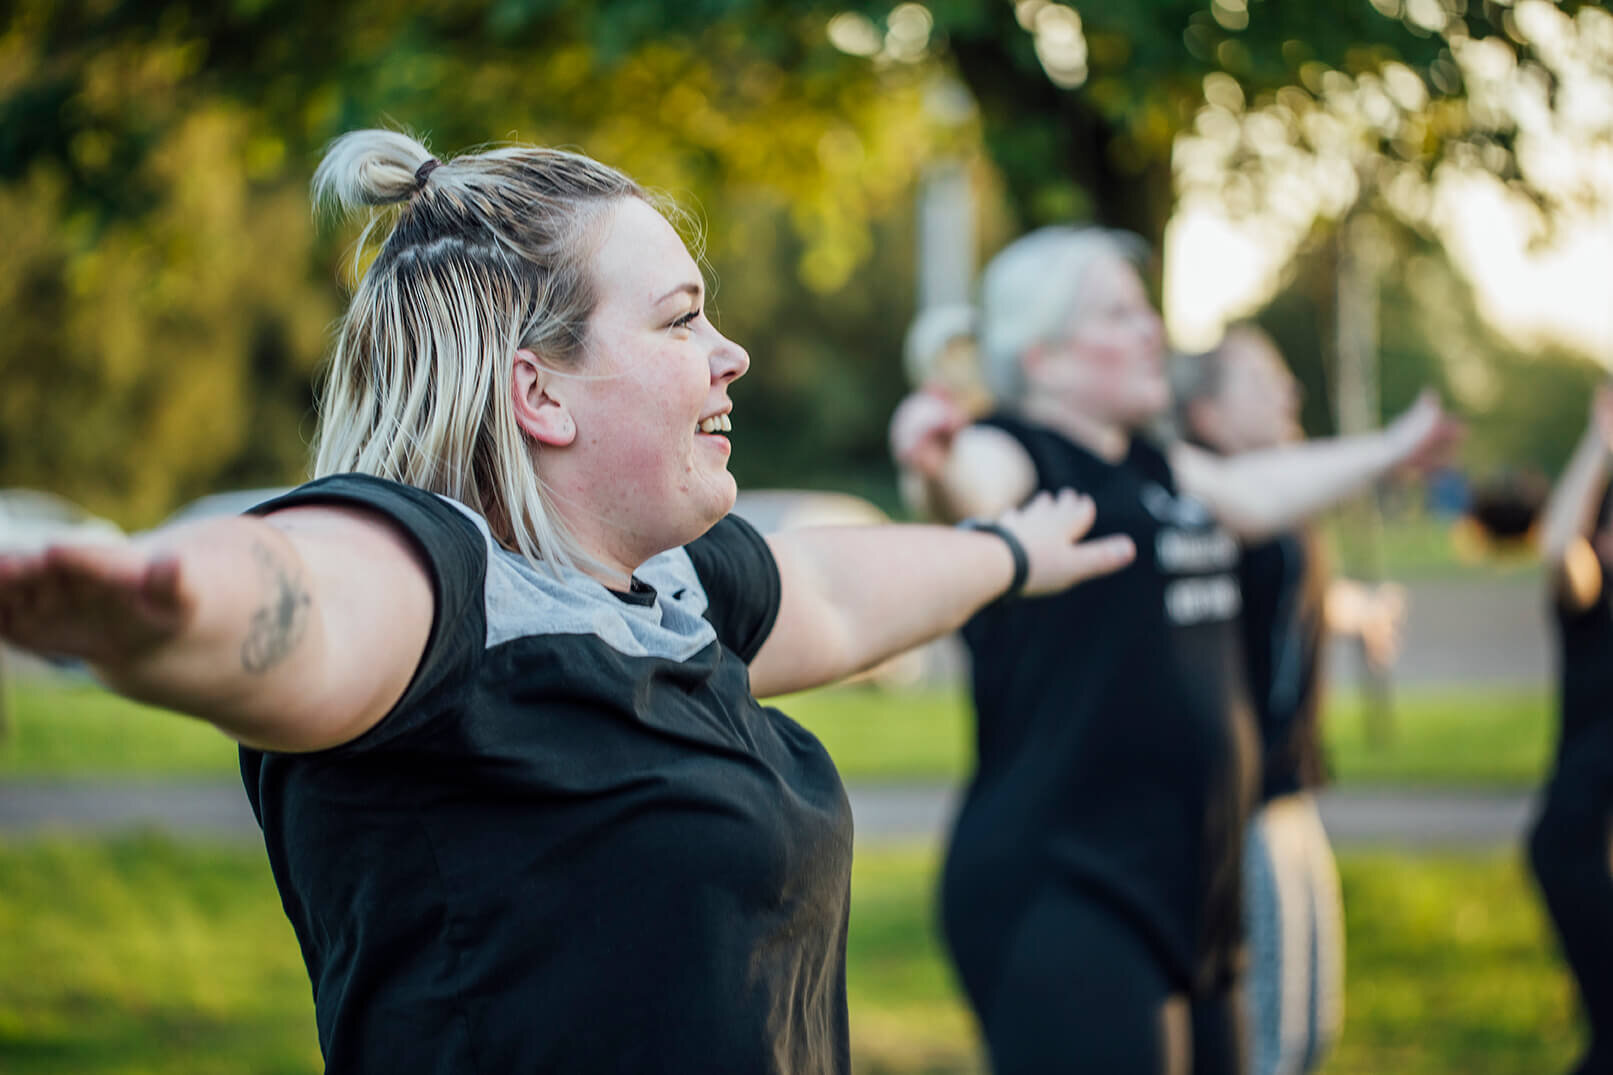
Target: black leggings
1080	991
1568	850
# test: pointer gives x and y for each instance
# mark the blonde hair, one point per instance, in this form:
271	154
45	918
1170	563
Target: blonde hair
932	331
487	253
1031	293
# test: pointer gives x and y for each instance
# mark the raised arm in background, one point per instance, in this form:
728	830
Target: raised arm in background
952	471
1258	494
293	632
1570	513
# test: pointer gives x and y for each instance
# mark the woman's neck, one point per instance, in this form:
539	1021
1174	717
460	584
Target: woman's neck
1109	441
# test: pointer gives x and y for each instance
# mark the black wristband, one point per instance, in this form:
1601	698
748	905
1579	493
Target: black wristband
1022	562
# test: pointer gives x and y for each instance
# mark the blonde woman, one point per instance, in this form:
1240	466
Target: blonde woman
1090	896
494	670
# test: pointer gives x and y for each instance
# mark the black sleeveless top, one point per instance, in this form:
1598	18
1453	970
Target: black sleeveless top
1114	735
1283	636
577	843
1585	674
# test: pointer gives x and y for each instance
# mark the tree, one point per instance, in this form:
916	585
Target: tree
166	294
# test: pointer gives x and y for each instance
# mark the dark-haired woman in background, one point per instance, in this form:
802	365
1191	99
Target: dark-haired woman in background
1237	398
1569	845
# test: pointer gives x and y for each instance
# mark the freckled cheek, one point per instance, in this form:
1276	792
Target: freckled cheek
654	456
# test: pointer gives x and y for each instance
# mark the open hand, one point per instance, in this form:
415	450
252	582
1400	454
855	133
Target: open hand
1424	436
1051	528
921	432
1382	623
101	603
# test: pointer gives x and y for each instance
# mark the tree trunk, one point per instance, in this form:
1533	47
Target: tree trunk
1356	397
1039	134
5	696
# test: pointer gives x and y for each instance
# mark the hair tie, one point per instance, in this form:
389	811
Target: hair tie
424	171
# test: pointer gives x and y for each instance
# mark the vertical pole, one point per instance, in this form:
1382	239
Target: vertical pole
1358	404
5	698
946	235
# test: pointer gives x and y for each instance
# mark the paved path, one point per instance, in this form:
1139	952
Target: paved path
884	814
1354	818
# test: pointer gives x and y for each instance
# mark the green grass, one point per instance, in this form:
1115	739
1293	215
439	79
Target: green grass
1449	737
1497	738
1422	547
65	728
1451	969
140	955
1453	737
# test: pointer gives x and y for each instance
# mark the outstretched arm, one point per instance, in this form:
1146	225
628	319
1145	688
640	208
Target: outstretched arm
1259	494
853	596
294	632
1570	514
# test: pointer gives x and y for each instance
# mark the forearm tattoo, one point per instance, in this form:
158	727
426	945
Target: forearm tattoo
279	625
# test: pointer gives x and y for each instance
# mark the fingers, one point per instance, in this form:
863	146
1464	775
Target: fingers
1051	526
1100	557
922	428
1067	514
21	575
161	585
79	599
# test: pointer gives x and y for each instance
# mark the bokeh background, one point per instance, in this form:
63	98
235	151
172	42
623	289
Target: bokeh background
1403	192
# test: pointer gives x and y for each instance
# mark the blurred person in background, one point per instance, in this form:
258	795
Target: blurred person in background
494	671
1090	895
1240	397
1569	843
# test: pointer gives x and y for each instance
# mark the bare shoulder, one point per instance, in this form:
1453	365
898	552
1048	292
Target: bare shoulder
369	589
332	534
1191	465
989	471
1578	577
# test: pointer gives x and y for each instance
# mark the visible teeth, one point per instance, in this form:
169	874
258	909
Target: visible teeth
718	423
726	424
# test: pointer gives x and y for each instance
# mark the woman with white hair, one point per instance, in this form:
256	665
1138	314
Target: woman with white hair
494	671
1090	892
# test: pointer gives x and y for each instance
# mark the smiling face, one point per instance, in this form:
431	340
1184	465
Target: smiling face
645	464
1257	402
1110	364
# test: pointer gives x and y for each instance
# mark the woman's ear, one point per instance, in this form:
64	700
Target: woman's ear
1033	363
539	409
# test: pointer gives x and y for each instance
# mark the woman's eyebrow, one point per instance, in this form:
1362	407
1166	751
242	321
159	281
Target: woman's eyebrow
691	288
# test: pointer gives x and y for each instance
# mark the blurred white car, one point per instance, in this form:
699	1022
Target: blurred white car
31	519
772	510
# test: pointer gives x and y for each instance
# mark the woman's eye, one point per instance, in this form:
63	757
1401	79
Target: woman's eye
686	320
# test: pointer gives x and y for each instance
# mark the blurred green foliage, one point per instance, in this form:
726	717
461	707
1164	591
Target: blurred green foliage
167	298
1526	409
